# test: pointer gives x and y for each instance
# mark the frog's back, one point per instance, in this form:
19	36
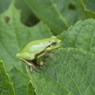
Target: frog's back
35	46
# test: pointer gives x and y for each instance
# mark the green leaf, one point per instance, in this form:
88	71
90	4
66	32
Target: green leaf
58	15
81	35
30	90
20	80
25	11
14	36
69	72
4	4
89	4
6	87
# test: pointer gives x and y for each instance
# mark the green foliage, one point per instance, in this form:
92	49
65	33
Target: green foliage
59	15
4	4
6	87
70	69
30	90
81	35
20	81
13	33
72	73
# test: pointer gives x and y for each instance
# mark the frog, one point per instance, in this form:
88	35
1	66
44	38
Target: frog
34	51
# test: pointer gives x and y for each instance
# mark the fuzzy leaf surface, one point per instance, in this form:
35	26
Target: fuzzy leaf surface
81	35
69	72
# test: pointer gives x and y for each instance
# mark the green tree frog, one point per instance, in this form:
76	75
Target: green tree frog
33	52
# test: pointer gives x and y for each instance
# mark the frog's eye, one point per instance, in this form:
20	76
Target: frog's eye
54	43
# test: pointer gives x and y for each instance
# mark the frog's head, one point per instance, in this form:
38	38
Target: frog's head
54	43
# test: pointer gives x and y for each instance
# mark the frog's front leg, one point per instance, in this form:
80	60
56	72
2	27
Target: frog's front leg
39	58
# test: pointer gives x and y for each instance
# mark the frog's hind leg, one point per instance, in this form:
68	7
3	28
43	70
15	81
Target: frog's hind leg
32	66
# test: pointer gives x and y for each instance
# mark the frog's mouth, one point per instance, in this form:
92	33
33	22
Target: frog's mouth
50	47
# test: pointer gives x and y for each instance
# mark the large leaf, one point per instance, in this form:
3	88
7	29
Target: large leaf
6	87
58	14
81	35
69	72
14	36
20	81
